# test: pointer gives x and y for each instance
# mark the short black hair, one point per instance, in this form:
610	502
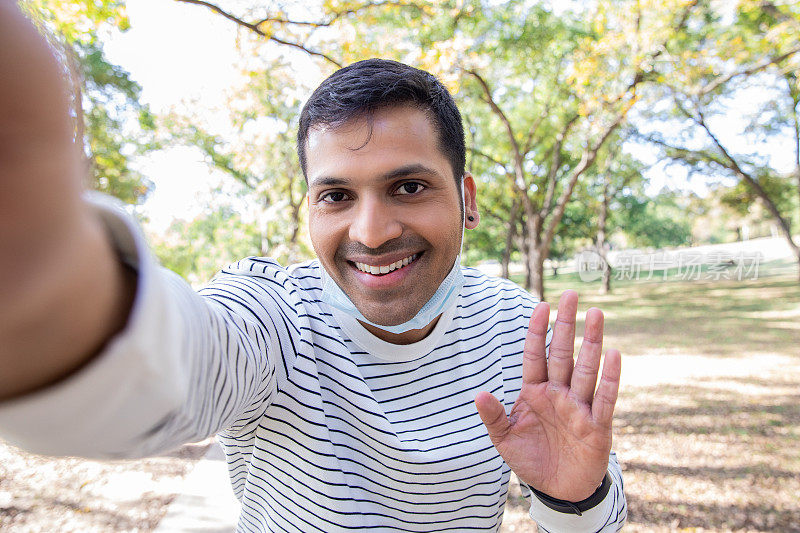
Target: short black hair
360	89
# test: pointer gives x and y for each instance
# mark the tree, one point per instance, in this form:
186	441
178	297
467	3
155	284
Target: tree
497	236
554	91
755	56
195	249
616	178
558	92
261	158
111	122
656	222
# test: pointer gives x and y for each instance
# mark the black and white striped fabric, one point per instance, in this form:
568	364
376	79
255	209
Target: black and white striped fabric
326	428
353	432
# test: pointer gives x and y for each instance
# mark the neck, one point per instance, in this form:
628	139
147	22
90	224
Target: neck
407	337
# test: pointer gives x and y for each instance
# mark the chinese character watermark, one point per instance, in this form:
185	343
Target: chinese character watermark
684	265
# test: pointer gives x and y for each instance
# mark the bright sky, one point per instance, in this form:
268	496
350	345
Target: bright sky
180	52
177	52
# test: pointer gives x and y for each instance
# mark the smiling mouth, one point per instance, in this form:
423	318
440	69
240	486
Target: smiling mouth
381	270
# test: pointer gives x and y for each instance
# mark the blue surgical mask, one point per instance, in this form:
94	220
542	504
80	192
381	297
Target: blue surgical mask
444	297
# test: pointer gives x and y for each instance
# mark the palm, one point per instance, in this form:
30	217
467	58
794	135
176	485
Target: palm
557	436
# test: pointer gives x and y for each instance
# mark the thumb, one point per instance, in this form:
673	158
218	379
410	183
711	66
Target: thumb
493	415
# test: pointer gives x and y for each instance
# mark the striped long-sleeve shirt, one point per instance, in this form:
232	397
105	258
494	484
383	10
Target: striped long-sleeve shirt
325	427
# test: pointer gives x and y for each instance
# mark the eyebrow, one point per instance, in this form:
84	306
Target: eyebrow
399	172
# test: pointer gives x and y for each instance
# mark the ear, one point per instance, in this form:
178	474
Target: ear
470	202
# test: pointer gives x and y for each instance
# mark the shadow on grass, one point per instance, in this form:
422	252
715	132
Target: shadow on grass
712	517
704	411
717	454
726	318
749	472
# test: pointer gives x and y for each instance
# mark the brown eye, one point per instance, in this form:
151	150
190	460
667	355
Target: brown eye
334	197
410	187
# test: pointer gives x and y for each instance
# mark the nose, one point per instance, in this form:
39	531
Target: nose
374	223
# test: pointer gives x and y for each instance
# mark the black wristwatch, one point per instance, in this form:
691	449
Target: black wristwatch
577	508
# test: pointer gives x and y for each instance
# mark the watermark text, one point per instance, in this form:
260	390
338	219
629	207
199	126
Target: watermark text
683	265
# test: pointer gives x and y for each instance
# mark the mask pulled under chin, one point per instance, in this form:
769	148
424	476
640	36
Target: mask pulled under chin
444	297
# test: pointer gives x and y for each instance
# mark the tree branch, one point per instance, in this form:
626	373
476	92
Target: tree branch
544	114
486	156
220	11
535	126
519	169
587	158
730	163
338	14
257	30
555	164
309	51
747	72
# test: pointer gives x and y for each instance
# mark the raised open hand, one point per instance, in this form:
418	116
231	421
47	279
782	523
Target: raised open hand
558	435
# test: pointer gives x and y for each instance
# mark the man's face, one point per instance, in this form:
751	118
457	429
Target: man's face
385	216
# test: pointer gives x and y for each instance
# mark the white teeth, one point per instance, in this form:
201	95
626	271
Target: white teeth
375	270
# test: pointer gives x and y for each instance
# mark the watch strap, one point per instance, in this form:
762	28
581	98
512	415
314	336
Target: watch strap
576	508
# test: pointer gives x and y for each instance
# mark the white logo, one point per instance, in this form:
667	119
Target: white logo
589	265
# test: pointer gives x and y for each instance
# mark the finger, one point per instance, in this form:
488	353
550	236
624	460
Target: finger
493	415
534	358
563	344
584	375
606	397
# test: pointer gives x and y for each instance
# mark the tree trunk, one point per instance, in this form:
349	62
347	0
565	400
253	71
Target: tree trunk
511	235
528	273
263	225
605	288
505	262
536	271
534	258
785	227
783	222
796	103
797	256
796	119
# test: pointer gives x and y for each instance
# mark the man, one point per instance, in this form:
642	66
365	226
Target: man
381	387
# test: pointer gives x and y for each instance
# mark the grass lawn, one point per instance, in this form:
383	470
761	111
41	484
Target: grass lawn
708	422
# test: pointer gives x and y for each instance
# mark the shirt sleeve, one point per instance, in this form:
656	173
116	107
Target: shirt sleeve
607	516
185	367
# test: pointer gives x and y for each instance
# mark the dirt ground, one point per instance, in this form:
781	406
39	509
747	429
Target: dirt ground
707	425
53	495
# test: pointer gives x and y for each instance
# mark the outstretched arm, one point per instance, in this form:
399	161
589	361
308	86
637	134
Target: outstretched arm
557	437
138	363
62	291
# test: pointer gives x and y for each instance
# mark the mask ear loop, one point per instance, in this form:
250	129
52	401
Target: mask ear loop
463	210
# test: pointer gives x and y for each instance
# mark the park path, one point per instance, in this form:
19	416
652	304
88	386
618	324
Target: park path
206	503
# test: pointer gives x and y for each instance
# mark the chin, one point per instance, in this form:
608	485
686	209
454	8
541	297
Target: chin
378	315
